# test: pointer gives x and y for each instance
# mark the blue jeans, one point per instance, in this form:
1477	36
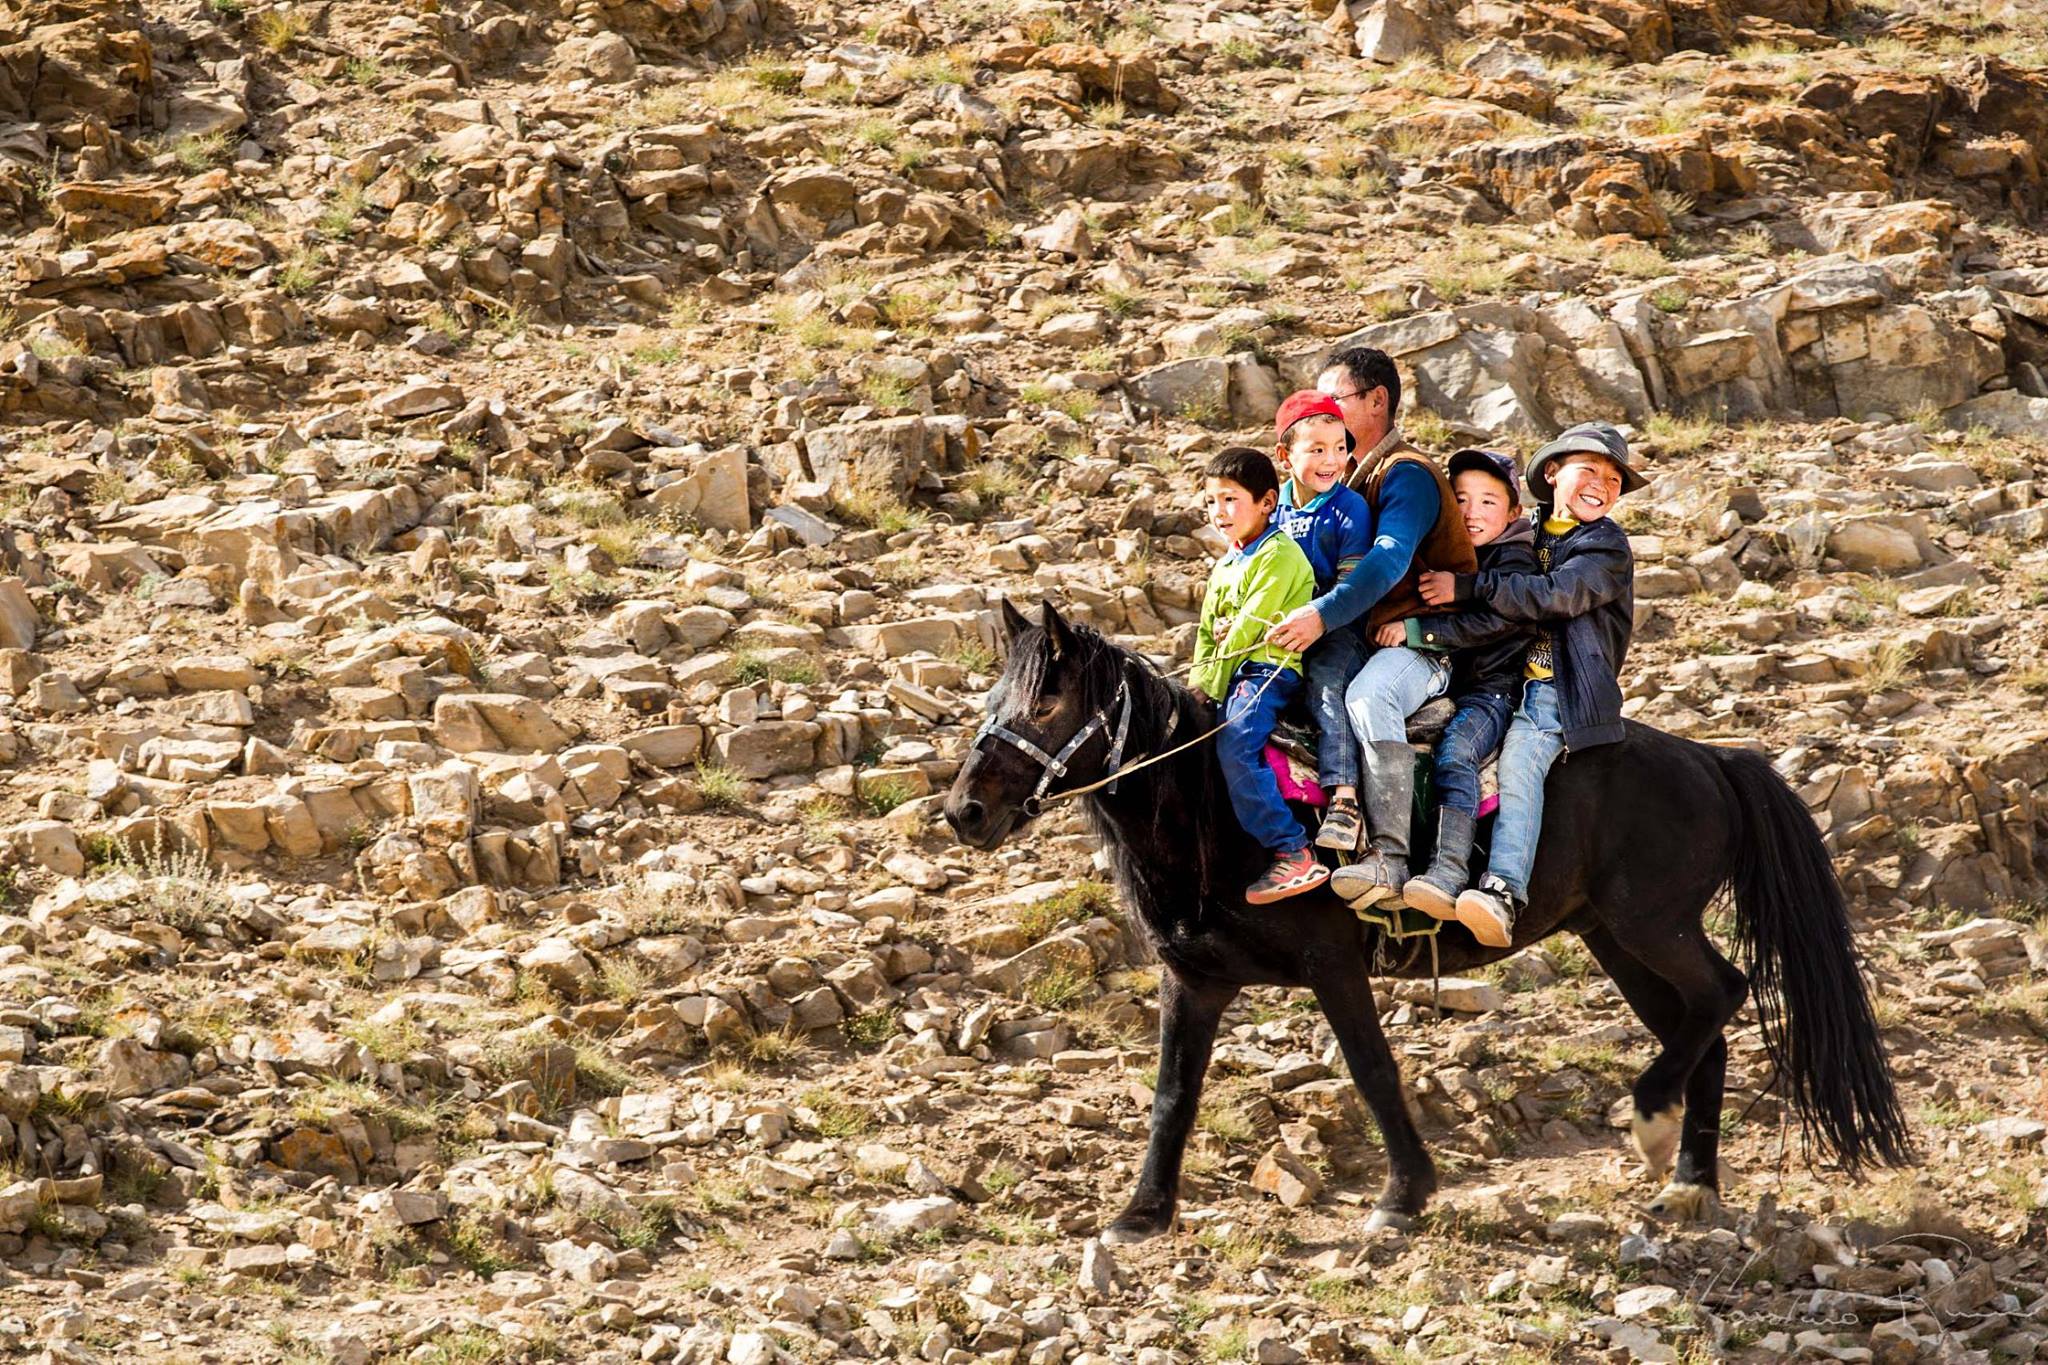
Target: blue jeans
1534	740
1248	716
1472	734
1395	683
1331	663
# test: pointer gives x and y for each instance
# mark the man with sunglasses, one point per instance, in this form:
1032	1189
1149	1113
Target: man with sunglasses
1416	527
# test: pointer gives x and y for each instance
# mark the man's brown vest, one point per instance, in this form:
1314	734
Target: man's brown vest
1446	547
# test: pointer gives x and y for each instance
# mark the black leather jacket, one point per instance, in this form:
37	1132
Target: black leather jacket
1487	649
1586	600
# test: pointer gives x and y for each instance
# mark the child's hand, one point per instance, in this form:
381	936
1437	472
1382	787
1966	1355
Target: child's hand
1297	630
1391	634
1439	589
1222	627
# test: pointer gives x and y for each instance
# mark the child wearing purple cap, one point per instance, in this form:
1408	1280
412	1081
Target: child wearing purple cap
1488	656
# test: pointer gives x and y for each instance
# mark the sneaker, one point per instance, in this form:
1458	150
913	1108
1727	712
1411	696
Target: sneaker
1489	911
1340	825
1376	881
1290	875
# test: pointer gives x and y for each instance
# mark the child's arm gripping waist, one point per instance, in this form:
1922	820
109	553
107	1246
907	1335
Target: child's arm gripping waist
1594	576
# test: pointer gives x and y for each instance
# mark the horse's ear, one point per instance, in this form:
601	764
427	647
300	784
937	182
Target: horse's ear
1010	622
1058	632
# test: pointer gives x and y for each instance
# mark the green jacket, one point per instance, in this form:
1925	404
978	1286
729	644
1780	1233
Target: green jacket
1252	588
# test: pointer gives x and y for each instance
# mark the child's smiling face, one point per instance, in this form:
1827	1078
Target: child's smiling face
1235	512
1483	504
1586	486
1315	450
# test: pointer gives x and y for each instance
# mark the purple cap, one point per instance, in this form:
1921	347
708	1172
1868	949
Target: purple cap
1492	462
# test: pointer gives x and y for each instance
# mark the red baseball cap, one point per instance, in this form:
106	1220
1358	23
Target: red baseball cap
1305	404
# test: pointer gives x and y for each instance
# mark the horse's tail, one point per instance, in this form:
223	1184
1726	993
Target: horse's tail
1793	930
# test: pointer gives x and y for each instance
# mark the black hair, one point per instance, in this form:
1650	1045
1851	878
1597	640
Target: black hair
1369	369
1251	470
1492	471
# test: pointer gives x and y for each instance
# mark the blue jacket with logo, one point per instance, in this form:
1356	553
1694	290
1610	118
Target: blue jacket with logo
1335	531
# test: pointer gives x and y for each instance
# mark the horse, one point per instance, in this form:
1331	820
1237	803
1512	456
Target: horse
1639	838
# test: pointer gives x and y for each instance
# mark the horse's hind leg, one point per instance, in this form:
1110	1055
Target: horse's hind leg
1190	1008
1686	992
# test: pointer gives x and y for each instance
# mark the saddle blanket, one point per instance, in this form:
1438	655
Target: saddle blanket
1297	778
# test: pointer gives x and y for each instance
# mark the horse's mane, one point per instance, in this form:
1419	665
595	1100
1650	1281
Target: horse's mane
1160	828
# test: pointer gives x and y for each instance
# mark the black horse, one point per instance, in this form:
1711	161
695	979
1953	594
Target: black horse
1638	839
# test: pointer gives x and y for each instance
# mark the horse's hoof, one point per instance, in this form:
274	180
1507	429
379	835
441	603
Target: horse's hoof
1127	1231
1384	1219
1657	1138
1685	1203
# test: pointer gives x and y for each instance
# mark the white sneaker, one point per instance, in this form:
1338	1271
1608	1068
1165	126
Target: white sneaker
1488	910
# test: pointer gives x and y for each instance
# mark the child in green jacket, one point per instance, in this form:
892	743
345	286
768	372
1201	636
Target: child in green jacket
1263	578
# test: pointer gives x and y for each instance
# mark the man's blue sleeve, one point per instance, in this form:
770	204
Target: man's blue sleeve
1408	509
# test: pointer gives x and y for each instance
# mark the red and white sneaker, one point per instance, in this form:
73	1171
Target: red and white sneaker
1290	875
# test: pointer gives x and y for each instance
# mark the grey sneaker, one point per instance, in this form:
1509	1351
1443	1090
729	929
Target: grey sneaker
1340	825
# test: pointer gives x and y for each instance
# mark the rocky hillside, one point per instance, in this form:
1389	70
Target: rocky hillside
504	506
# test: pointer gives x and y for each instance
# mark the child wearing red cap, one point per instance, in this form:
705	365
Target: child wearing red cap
1333	525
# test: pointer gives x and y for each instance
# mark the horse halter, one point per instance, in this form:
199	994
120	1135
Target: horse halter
1054	766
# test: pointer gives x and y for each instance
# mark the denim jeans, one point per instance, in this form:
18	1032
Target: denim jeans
1395	683
1472	734
1535	739
1331	663
1248	716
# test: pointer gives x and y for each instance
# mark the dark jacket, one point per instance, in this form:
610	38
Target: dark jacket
1586	599
1487	649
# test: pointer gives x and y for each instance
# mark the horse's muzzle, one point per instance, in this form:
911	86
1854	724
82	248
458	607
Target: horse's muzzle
976	825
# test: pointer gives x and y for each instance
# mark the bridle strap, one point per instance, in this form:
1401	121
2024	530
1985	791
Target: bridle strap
1054	766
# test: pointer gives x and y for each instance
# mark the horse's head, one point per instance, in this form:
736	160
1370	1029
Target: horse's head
1055	701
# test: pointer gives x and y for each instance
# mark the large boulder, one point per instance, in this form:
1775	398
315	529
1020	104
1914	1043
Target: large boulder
1132	77
129	1069
1089	161
496	722
1197	388
1889	359
769	748
1895	109
18	617
665	29
1874	544
1392	31
2007	412
710	489
56	72
812	201
877	458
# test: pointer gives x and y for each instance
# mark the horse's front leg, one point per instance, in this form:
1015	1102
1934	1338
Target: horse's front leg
1190	1008
1411	1175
